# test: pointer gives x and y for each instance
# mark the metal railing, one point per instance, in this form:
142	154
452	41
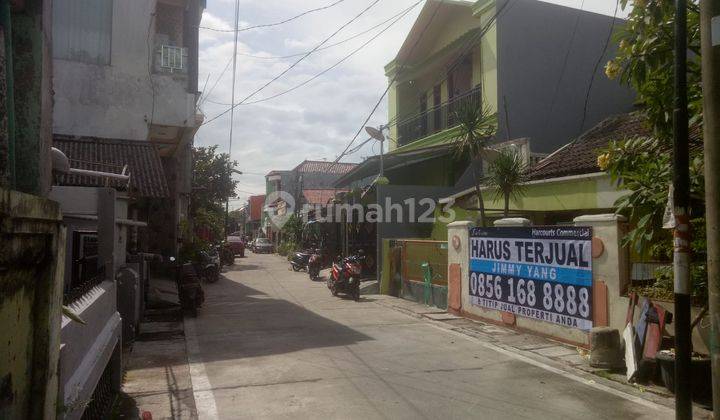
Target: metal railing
437	118
173	59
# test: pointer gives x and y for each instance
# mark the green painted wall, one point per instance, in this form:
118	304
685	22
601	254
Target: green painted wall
436	56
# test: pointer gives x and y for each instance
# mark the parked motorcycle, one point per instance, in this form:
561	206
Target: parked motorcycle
190	290
227	254
314	264
345	276
209	266
299	260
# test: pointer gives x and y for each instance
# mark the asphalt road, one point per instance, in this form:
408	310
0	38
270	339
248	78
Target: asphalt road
270	343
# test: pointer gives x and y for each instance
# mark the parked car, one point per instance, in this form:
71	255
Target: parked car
237	244
262	246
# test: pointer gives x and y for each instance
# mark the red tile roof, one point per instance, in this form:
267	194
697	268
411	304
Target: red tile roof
320	196
580	156
147	176
325	167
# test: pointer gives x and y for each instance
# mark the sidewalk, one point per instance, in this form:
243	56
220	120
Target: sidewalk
157	376
537	350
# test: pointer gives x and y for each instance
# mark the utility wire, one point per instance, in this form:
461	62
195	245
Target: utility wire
377	104
464	50
597	64
350	38
280	57
267	25
342	60
564	65
256	91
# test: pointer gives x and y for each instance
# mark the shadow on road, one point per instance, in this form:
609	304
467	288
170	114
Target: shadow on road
238	321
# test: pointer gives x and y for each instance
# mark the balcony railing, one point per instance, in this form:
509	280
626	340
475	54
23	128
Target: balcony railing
172	59
437	118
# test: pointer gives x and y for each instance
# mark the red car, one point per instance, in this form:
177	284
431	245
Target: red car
236	244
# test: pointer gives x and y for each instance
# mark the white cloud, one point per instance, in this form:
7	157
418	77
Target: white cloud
317	120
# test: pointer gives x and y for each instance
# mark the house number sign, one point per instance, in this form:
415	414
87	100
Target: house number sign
540	272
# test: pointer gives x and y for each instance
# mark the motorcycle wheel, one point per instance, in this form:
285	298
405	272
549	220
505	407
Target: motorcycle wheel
295	267
212	275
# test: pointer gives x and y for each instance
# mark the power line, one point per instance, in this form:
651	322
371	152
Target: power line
564	65
342	60
350	38
256	91
469	44
597	64
279	57
267	25
377	104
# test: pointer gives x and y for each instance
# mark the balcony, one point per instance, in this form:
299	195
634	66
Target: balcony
437	118
171	59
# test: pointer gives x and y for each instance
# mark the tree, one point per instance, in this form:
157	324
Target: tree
506	174
644	60
477	125
212	184
643	166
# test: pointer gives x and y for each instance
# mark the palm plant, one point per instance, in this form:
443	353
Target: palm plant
476	125
507	174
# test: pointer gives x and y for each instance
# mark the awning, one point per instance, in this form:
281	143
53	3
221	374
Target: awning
147	177
371	166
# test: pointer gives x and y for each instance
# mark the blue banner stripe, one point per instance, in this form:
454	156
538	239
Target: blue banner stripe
563	275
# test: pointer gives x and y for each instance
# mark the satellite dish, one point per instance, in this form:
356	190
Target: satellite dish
375	133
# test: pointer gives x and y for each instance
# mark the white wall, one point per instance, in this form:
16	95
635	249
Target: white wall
116	101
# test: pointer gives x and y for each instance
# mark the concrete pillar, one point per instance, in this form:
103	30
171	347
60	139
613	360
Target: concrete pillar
458	264
610	268
107	231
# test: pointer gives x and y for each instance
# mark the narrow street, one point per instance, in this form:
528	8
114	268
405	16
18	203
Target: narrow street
269	343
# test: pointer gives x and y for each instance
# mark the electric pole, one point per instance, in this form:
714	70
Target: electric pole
710	48
232	111
681	207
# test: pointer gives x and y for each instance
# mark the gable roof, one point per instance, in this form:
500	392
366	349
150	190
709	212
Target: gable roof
580	156
147	176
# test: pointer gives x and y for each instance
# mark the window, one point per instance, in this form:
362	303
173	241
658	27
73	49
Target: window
82	30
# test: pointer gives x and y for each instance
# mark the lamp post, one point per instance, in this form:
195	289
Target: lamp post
377	134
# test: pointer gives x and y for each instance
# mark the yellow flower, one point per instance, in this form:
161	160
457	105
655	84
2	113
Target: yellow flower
612	70
603	161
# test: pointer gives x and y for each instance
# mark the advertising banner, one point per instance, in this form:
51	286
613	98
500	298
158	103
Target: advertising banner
541	272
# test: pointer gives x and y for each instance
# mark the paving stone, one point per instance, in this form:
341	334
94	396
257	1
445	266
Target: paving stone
443	316
555	351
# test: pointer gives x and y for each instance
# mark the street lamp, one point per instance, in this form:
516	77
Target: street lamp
377	134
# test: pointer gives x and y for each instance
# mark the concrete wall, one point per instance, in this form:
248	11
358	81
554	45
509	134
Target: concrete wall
87	349
32	255
33	95
610	273
544	73
119	100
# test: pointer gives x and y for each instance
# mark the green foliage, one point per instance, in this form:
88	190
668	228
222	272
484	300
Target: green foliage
292	229
212	185
644	60
287	247
643	167
506	175
477	125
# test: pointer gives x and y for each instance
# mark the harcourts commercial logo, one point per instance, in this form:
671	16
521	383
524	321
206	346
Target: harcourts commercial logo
280	206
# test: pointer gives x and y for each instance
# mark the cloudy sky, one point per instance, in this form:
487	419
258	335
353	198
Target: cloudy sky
317	120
